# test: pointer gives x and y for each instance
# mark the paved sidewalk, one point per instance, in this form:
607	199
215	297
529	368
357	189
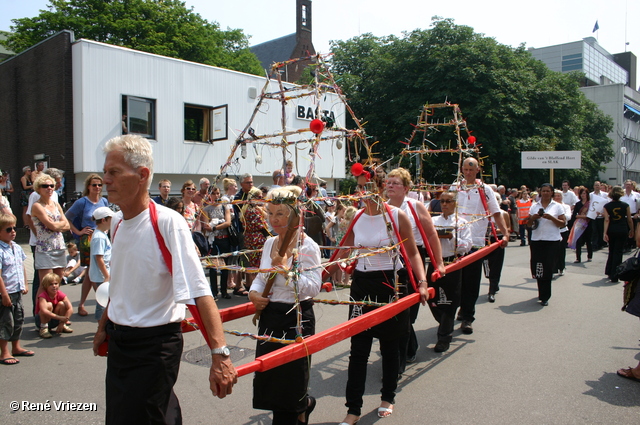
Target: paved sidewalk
524	364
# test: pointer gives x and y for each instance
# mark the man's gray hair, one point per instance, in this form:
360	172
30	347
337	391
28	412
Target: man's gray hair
54	172
244	176
136	149
204	180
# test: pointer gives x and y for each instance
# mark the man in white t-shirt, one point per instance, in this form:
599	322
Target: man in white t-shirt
472	208
597	240
568	196
148	296
632	198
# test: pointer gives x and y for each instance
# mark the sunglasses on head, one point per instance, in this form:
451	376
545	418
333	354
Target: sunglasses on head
96	184
11	229
47	186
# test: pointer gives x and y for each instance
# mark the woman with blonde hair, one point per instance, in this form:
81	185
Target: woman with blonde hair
49	222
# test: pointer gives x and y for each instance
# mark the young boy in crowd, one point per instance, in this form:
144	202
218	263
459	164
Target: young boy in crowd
74	272
100	251
13	277
53	306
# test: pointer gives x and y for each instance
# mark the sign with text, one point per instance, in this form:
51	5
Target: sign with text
552	159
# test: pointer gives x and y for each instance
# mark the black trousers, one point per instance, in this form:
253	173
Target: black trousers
471	277
444	305
142	368
543	260
616	248
219	246
494	262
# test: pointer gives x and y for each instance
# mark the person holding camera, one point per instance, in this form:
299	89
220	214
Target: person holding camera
546	218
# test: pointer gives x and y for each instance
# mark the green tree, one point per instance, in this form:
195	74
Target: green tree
163	27
511	101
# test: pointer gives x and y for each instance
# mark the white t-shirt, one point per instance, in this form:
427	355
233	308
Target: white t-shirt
471	208
370	231
633	200
459	229
142	292
547	230
33	198
309	282
569	198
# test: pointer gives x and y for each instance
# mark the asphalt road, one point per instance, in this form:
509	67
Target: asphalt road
524	364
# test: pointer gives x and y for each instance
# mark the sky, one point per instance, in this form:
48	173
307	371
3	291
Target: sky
536	24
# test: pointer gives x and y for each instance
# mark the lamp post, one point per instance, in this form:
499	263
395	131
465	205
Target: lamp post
624	152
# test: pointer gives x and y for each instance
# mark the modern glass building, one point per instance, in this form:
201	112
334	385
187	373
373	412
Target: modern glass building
610	82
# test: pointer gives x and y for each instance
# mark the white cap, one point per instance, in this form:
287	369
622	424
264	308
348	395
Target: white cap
102	212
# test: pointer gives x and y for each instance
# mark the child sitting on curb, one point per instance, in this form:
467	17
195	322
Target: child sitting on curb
53	306
74	272
12	287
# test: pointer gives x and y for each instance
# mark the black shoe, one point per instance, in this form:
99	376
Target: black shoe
459	318
466	328
310	407
441	347
411	359
215	298
491	298
544	303
577	261
226	296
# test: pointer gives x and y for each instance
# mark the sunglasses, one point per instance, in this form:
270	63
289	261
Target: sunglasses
11	229
189	188
96	184
447	201
47	186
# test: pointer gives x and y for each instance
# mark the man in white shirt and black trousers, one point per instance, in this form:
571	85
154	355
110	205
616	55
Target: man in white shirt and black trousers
147	299
472	208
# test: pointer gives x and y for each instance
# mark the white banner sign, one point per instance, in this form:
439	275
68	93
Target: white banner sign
596	206
552	159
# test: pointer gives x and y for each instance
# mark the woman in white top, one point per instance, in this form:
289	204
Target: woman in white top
280	310
374	279
546	218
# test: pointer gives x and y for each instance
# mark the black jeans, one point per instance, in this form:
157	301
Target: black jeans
446	302
219	246
357	375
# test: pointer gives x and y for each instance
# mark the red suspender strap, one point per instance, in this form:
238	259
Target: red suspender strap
403	251
436	274
166	255
483	196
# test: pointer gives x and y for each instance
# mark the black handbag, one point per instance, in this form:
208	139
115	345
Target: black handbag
629	269
234	238
201	242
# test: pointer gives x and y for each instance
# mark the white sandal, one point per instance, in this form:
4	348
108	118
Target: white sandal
385	412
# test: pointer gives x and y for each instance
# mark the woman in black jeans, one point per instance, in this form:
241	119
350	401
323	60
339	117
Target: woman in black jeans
618	226
215	218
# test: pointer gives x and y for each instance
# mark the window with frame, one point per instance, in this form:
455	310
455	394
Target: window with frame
204	123
139	116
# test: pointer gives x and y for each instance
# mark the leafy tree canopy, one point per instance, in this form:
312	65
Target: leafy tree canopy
511	101
163	27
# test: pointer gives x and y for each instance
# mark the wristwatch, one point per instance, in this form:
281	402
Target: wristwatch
223	351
